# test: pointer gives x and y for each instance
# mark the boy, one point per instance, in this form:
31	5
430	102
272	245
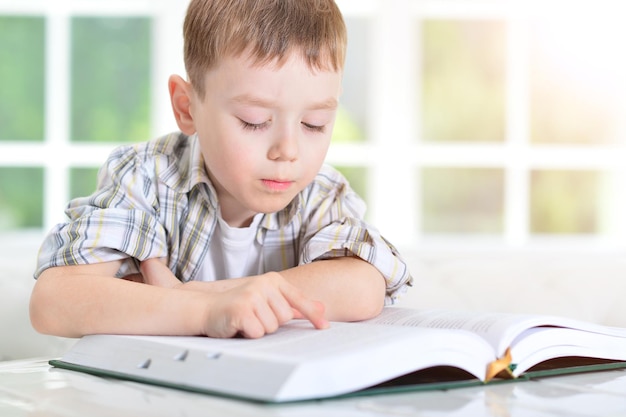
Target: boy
232	226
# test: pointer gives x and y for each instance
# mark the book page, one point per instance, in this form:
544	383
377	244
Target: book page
543	343
499	329
296	340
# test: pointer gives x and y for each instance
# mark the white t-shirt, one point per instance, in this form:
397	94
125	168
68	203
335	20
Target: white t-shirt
234	252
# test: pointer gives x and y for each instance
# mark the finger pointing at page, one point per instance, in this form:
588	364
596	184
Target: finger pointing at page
305	308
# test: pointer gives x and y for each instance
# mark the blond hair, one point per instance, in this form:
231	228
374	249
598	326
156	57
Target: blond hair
269	30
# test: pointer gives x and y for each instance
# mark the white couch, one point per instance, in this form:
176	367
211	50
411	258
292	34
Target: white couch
589	286
17	338
586	285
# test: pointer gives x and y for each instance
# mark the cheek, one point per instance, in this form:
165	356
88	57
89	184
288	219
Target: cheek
233	162
314	150
223	146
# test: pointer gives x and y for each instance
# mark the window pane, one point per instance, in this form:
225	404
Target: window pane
357	176
462	200
21	72
351	123
110	79
83	181
577	81
19	209
565	202
463	85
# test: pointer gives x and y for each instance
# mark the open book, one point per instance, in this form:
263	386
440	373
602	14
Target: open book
425	349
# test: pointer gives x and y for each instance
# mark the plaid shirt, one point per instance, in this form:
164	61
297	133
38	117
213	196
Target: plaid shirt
155	199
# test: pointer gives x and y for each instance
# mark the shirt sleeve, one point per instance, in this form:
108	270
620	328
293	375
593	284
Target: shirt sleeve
118	221
336	228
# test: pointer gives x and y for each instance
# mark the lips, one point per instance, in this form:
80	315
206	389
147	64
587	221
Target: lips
277	185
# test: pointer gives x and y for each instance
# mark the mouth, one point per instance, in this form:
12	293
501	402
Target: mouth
277	185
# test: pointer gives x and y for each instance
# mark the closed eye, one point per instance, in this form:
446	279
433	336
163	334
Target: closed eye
252	126
314	128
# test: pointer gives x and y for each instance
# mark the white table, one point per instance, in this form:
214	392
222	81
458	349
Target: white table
33	388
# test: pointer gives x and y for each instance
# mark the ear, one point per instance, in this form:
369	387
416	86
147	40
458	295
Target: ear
180	96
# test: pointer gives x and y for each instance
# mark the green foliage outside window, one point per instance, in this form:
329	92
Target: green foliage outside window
21	198
463	84
347	131
83	181
463	200
565	202
22	75
110	79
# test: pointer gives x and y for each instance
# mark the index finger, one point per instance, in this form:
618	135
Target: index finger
311	310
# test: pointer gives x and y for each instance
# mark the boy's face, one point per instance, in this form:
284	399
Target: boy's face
264	131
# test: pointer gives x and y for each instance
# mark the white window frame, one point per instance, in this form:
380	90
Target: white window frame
393	153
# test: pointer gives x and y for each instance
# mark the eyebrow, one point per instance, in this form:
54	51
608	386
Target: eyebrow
251	100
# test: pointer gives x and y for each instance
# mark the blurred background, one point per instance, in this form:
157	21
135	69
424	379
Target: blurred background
490	122
474	125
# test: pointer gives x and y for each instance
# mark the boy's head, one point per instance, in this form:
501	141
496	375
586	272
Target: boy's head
262	96
267	30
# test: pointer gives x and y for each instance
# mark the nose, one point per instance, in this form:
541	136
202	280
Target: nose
284	147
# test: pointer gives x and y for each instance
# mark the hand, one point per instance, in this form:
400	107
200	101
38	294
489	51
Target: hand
251	306
260	305
156	272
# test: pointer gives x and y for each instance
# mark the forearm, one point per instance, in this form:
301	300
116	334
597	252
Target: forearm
75	304
73	301
350	288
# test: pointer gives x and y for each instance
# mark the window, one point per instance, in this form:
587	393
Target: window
461	120
494	121
80	78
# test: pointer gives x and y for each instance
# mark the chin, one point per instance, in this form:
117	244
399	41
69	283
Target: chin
272	206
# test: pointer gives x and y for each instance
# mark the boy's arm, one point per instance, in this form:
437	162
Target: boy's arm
73	301
349	288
